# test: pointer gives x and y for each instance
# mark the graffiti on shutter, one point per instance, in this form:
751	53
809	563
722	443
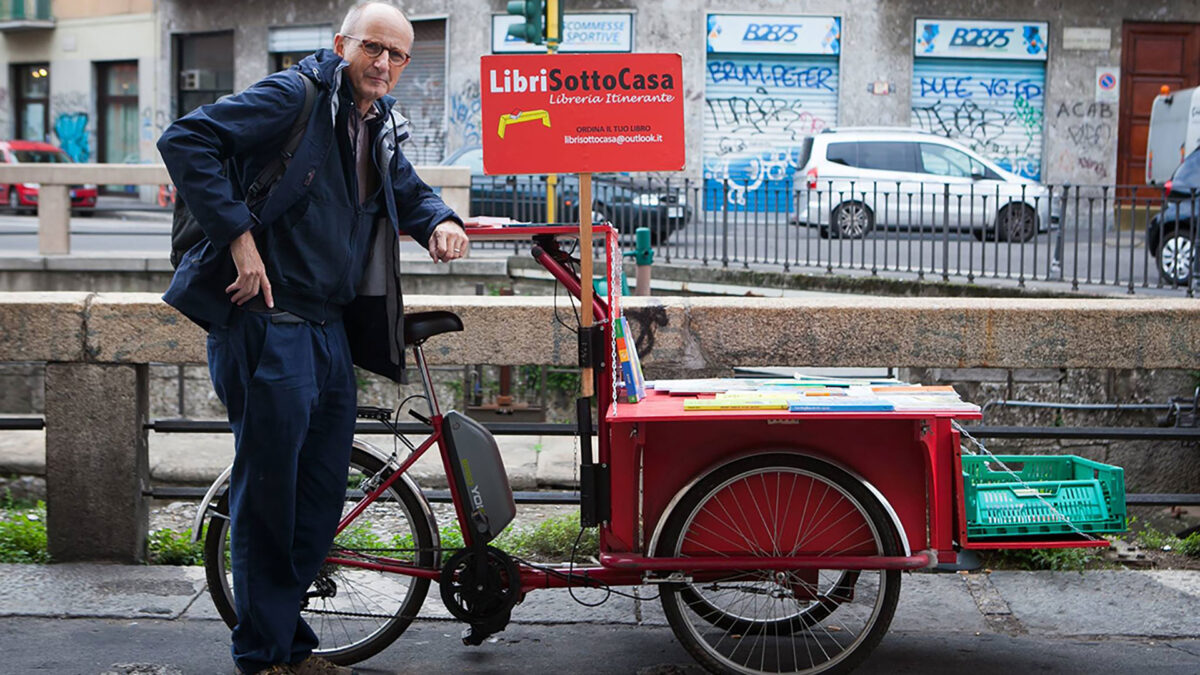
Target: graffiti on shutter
758	108
421	93
994	107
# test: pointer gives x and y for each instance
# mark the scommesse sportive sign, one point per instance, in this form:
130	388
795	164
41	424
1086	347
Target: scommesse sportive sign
582	113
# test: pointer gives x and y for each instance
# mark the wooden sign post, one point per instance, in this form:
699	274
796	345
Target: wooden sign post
585	270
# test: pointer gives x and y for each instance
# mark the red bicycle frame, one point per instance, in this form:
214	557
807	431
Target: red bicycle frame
619	566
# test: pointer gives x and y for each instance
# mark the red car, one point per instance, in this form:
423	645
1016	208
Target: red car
20	196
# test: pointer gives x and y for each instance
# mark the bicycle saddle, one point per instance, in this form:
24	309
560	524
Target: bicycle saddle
420	326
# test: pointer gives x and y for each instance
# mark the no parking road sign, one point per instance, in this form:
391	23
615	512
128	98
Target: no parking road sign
1108	84
582	113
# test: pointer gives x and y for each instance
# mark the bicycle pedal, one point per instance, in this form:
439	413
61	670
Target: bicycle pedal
472	636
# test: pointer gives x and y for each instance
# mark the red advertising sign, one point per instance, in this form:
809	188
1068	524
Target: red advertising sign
582	113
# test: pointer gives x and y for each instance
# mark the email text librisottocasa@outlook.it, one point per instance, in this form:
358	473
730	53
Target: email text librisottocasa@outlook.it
613	139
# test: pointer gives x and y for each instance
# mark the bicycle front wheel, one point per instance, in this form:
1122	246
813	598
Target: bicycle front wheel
771	621
355	612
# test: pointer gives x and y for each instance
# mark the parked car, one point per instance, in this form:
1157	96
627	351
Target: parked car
24	196
853	180
1171	233
626	202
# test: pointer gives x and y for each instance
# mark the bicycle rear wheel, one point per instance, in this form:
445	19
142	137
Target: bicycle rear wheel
767	621
355	612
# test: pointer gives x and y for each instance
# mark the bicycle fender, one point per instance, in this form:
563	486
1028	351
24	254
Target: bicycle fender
206	503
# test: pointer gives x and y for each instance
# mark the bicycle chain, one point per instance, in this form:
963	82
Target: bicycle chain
359	615
1053	511
614	306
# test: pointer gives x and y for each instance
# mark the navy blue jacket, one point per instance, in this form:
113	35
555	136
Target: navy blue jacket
308	275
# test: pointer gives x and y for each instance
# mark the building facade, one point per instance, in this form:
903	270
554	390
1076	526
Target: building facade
81	74
1057	91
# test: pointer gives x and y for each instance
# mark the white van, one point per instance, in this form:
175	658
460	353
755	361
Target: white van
1174	133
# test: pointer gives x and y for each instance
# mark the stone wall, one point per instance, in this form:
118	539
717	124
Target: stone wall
1072	351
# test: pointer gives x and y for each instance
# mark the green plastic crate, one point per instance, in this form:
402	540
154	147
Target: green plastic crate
1090	495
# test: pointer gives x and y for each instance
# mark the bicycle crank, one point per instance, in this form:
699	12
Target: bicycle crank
482	595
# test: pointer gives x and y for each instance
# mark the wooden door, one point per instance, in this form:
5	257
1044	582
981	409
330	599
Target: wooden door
1152	55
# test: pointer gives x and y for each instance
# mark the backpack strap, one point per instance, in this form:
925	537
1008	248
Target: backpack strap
266	178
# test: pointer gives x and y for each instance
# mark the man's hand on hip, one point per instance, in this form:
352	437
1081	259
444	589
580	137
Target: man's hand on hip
252	274
448	242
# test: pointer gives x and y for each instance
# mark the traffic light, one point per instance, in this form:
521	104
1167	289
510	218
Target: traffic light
533	12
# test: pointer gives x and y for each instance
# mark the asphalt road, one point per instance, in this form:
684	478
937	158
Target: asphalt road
162	647
1087	257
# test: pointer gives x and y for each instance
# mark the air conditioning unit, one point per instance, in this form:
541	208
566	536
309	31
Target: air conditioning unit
196	79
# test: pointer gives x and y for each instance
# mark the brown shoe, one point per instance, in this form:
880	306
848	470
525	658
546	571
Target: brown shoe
316	665
277	669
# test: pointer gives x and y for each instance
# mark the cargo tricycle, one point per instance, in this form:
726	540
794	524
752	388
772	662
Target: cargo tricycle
775	539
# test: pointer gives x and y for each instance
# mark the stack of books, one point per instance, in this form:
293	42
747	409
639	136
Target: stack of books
811	394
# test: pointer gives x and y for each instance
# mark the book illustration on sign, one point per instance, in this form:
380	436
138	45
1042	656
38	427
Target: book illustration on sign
518	116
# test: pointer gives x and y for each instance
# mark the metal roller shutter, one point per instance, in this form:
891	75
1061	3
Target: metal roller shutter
421	93
994	107
757	110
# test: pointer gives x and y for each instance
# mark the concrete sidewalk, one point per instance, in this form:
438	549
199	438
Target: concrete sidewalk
161	620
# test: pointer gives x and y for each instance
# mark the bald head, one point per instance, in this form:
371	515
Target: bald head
376	42
369	9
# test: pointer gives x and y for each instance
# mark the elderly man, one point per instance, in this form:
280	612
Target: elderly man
291	289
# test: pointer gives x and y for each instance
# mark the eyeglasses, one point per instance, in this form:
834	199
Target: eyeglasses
373	49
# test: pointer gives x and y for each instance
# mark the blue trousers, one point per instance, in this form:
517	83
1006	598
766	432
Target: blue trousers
290	392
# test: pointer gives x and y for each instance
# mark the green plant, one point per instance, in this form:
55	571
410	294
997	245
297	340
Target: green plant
168	547
1190	545
357	538
1053	559
1153	538
23	535
528	380
8	503
361	380
552	539
563	382
450	535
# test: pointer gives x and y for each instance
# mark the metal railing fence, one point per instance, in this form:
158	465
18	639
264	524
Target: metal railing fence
1099	238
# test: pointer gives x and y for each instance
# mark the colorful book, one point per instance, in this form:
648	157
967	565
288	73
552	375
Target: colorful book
631	367
734	404
919	389
839	404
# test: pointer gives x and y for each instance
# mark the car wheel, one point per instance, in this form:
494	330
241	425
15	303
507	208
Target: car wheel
599	215
14	200
1175	257
852	220
1016	222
